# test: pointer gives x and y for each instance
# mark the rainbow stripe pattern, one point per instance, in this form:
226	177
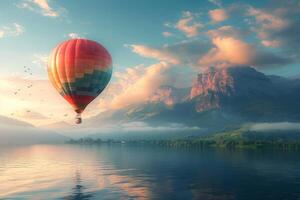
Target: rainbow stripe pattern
80	69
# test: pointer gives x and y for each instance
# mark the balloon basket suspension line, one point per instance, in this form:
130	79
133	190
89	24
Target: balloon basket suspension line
78	118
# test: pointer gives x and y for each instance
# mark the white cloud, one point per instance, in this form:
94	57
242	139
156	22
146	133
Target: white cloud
276	126
216	2
12	30
40	60
218	15
129	130
74	35
39	6
144	127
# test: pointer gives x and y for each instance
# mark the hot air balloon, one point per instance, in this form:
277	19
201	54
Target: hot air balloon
79	69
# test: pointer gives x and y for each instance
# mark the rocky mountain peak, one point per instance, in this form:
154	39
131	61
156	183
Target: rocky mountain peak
213	87
228	81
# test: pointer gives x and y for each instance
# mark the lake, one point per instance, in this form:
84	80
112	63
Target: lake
135	172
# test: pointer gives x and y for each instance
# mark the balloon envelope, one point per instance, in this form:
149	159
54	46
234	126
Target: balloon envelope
79	69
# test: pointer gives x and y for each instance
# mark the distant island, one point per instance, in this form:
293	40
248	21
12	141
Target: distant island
235	139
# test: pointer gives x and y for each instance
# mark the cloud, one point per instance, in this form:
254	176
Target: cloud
276	126
271	43
267	23
230	51
268	20
136	85
226	31
30	115
187	24
132	130
144	127
19	95
24	134
218	15
40	6
278	26
12	30
158	54
225	47
167	34
74	35
186	52
40	60
216	2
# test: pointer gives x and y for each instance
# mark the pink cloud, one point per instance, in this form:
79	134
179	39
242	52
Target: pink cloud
158	54
271	43
167	34
267	23
188	26
225	31
135	85
230	51
218	15
268	20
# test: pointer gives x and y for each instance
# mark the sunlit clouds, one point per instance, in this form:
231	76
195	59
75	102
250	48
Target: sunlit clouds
31	100
171	50
74	35
136	85
188	25
218	15
229	51
155	53
40	60
39	6
12	30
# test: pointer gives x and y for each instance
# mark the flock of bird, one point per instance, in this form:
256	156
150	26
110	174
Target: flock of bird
28	71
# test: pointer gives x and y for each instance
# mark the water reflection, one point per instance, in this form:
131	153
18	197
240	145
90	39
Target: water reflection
126	185
78	190
124	172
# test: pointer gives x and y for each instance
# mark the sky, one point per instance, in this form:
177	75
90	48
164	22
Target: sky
152	43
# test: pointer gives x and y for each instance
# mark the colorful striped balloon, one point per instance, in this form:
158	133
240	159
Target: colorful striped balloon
79	69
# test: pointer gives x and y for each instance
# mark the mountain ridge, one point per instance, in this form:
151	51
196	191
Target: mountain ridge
218	98
16	132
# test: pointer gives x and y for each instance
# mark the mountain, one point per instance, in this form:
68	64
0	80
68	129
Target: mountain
247	93
218	99
13	131
57	125
13	122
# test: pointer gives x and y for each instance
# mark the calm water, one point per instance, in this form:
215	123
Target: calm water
124	172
